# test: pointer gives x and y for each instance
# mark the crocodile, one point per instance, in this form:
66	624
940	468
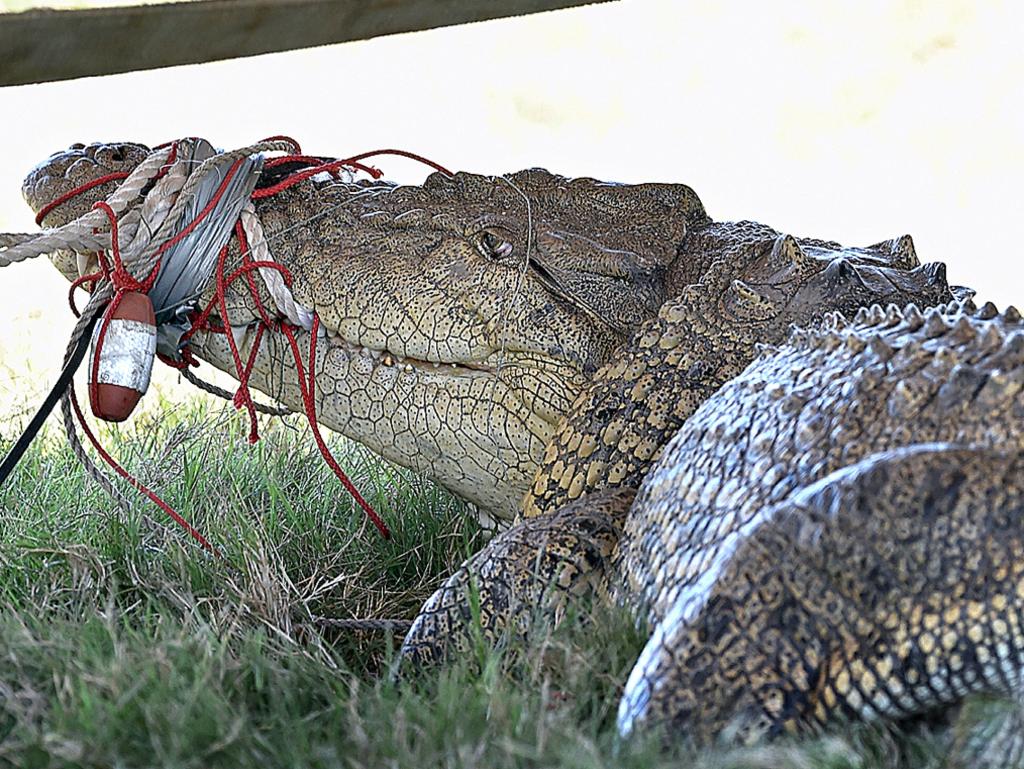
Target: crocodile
529	337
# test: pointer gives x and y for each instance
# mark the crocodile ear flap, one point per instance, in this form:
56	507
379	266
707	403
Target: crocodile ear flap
749	303
786	250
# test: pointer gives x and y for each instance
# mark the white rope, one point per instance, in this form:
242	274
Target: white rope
91	231
155	207
140	232
296	314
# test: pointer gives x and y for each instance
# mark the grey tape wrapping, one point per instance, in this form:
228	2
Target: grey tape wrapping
188	265
128	350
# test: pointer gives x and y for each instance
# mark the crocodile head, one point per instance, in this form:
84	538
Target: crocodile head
463	316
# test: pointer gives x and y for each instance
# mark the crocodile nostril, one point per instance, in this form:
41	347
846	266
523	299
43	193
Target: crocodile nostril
77	146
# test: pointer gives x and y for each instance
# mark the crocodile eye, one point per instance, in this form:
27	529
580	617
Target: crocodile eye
495	244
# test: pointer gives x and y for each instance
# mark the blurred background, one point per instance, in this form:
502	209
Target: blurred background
853	122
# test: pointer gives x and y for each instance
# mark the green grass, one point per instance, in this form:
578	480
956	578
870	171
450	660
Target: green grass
122	644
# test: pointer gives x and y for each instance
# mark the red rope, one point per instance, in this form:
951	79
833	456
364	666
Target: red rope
311	160
308	390
123	282
403	154
120	278
45	210
217	195
78	282
333	166
137	483
243	379
306	173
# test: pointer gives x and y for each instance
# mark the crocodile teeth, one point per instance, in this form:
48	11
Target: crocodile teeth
893	315
862	316
238	334
387	360
82	259
876	314
1011	314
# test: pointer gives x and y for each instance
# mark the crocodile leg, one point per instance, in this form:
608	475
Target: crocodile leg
887	589
528	573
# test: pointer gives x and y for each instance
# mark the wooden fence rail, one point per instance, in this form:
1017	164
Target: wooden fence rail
43	45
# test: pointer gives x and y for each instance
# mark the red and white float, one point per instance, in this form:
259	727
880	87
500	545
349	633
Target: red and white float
121	357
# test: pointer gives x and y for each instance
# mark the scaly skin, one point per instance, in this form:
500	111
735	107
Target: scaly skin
835	533
464	316
888	589
815	407
617	427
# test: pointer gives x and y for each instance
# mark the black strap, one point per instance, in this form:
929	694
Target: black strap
22	444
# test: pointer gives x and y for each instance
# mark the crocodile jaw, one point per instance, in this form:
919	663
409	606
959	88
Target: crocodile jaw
472	430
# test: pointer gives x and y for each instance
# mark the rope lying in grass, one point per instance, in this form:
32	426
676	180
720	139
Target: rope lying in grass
136	234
